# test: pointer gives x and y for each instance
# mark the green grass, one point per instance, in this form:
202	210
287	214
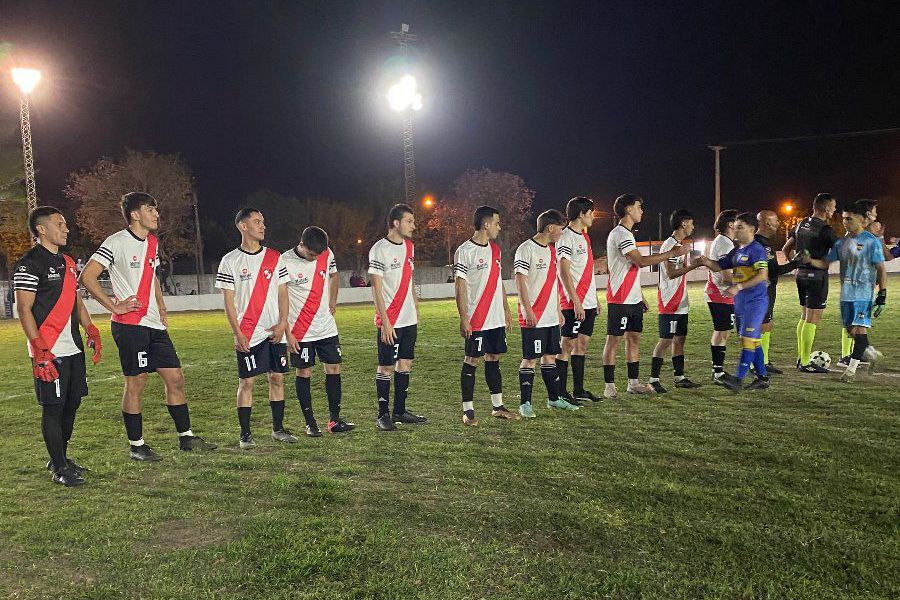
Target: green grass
789	493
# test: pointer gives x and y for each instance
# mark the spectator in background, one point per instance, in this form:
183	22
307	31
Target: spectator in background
356	280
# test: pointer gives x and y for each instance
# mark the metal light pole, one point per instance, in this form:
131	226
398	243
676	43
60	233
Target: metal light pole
198	242
26	80
717	150
404	98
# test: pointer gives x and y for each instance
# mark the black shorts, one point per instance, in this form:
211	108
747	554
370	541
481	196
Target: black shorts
265	357
404	346
672	325
770	311
328	349
812	288
572	328
71	385
489	341
540	341
624	317
144	349
722	315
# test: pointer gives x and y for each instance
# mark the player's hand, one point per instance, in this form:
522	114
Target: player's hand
880	302
276	334
241	343
679	250
94	343
508	316
164	317
579	309
644	306
465	327
530	320
388	335
293	344
731	291
43	367
129	304
332	308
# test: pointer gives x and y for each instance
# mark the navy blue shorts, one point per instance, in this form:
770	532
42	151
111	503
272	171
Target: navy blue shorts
749	315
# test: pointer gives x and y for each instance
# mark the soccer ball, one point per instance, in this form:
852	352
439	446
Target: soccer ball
820	359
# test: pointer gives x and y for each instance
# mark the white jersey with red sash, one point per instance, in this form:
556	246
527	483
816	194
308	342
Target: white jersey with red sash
479	267
394	263
624	285
131	262
52	279
309	287
538	264
715	283
255	279
671	294
575	247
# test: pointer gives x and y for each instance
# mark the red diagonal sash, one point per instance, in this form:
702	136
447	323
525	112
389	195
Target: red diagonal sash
61	312
487	297
619	296
145	287
260	291
543	297
313	300
393	311
674	302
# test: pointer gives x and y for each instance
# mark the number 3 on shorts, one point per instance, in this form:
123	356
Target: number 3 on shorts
142	359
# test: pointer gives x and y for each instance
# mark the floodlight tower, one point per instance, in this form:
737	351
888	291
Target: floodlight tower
26	80
404	97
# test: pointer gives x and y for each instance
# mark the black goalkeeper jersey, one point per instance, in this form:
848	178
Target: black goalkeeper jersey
814	235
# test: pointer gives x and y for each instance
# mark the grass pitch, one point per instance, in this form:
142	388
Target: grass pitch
788	493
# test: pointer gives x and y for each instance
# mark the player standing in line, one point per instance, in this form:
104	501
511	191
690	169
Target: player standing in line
578	297
674	305
313	290
813	236
253	281
483	312
139	322
539	313
721	307
396	315
50	310
626	306
749	266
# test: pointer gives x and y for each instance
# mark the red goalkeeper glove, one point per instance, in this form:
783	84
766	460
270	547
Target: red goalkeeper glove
94	343
42	361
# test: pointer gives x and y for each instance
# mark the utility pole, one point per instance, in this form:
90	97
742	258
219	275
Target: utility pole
198	242
404	38
718	206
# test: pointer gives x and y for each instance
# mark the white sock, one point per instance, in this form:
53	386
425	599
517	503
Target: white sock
468	406
635	382
854	362
652	380
139	442
497	400
610	386
184	433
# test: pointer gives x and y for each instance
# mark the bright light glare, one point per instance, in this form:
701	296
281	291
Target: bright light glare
788	207
405	95
428	201
700	246
26	79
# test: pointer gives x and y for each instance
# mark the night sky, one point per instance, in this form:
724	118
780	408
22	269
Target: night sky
594	98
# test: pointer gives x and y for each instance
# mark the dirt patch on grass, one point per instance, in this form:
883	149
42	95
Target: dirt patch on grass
181	534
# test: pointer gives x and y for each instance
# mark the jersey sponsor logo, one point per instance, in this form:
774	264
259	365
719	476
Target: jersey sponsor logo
245	275
52	275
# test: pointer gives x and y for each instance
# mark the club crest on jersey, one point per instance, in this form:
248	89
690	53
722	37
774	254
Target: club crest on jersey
267	274
22	268
859	247
322	274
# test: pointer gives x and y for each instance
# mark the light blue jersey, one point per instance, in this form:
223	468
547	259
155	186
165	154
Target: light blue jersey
859	256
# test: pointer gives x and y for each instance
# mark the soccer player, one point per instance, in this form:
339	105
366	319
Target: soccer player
721	306
396	315
50	311
750	273
626	306
483	312
768	226
862	267
815	237
674	305
578	297
253	280
539	313
139	322
313	290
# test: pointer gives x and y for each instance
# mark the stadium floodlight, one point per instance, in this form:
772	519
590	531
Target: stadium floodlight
27	80
404	95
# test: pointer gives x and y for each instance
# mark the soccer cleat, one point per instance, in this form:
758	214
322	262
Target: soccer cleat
409	418
687	384
586	395
843	363
284	435
71	464
247	442
640	389
562	404
312	430
610	392
872	356
144	453
526	411
470	421
770	368
730	382
760	383
848	376
384	422
657	387
501	412
194	442
339	426
570	399
68	478
811	368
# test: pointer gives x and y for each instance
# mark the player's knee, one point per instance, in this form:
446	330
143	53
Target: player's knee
581	344
331	369
471	360
527	363
404	364
749	343
385	370
135	384
491	358
305	373
276	379
245	384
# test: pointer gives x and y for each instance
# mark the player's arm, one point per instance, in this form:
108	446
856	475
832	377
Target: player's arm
565	274
42	363
160	303
24	304
525	300
462	301
89	279
506	312
636	258
277	332
387	330
241	343
672	271
788	247
93	334
334	282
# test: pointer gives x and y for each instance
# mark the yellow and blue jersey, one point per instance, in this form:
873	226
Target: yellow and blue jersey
744	263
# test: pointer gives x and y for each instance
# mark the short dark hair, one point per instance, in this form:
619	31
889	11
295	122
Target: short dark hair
678	217
578	206
482	214
623	202
38	215
821	200
134	201
244	213
397	212
314	239
549	217
860	207
748	218
867	204
724	219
